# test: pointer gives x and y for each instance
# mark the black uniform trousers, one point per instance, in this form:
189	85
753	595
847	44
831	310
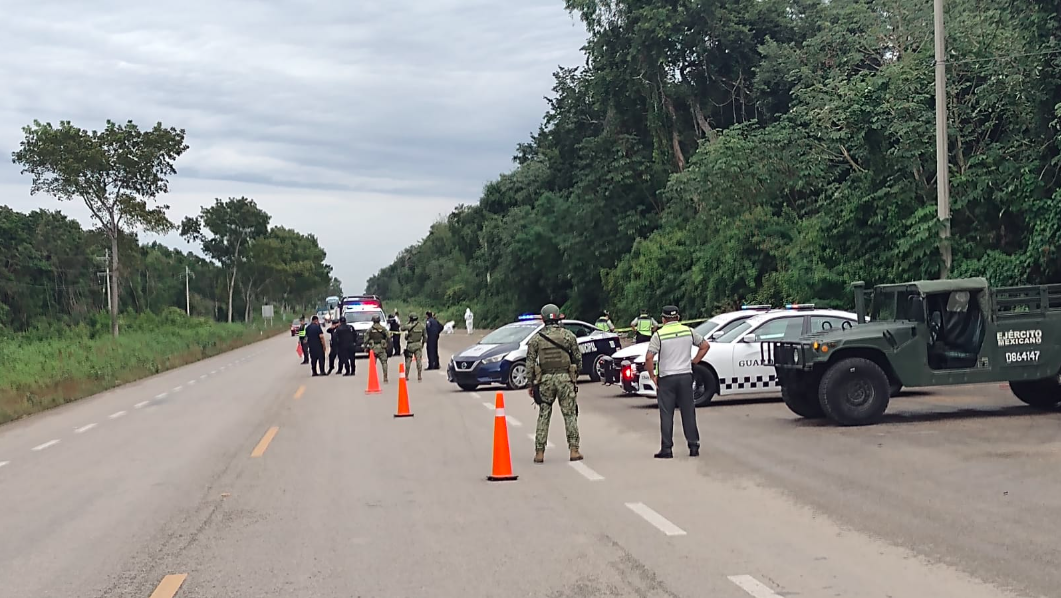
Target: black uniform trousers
432	353
305	350
677	391
316	358
333	354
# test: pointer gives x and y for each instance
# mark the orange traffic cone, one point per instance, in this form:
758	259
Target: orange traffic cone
403	394
373	377
502	469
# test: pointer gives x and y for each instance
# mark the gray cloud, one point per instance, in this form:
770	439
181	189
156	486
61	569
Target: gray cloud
339	117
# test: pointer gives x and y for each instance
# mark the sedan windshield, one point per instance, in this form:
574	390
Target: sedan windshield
512	333
735	332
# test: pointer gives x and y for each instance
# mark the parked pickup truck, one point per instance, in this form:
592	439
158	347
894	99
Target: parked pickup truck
926	333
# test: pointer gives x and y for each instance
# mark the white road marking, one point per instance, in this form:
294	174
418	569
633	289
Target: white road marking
140	404
476	396
191	382
178	389
117	415
515	422
50	443
203	377
84	428
548	443
161	396
3	463
753	586
586	472
488	405
658	521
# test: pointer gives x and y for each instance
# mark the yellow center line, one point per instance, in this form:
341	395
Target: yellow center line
298	393
264	442
167	588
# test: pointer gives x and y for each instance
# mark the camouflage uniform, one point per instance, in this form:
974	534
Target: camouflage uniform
376	339
414	345
555	372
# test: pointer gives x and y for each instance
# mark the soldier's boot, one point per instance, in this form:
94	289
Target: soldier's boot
539	456
575	455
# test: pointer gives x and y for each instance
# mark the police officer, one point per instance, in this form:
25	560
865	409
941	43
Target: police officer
644	326
376	340
553	363
434	329
345	339
414	345
302	340
668	363
394	344
604	323
315	343
333	348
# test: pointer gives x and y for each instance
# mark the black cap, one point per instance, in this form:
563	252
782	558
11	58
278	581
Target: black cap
670	311
342	320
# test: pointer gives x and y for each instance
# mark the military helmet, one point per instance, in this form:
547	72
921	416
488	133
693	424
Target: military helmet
375	319
413	317
550	313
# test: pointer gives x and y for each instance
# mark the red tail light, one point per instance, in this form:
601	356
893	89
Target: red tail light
628	372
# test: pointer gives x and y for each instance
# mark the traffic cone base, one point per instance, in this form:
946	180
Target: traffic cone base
403	394
373	377
502	466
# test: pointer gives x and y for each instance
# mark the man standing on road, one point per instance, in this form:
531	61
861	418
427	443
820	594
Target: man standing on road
644	326
434	330
333	349
316	344
376	340
604	323
553	363
302	339
394	341
414	345
668	363
345	340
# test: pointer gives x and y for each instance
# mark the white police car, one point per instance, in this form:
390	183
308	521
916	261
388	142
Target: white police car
359	317
501	357
624	367
734	366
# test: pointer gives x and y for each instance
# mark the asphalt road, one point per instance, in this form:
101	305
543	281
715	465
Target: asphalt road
241	476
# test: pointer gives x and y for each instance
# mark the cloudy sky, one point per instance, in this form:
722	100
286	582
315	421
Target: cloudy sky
360	121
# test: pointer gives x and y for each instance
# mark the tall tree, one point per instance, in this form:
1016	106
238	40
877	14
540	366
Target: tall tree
117	172
226	231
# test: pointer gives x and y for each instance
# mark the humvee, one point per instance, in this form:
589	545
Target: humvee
925	333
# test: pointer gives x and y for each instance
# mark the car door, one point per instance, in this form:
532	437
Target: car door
749	375
583	333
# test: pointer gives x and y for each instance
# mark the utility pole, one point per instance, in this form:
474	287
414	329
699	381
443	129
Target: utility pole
187	293
942	152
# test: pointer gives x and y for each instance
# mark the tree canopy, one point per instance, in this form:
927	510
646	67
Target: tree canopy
712	152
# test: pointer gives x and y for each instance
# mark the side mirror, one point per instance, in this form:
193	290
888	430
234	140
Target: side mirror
749	338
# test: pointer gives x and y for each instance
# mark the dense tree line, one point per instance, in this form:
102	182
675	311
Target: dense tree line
50	266
711	152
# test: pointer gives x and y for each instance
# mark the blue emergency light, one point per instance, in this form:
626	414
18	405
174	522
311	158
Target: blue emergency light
800	306
755	307
527	317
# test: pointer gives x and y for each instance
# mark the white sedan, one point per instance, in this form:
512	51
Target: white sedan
733	364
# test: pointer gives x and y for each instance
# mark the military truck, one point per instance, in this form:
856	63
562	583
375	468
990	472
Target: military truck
925	333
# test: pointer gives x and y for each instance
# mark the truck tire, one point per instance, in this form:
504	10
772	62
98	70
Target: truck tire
705	383
854	392
802	403
1041	394
895	388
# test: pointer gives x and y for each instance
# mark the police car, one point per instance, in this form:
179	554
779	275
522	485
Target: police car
501	357
734	367
358	314
624	367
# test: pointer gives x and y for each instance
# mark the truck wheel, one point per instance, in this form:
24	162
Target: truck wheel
705	385
895	388
854	392
517	376
802	403
596	369
467	387
1041	394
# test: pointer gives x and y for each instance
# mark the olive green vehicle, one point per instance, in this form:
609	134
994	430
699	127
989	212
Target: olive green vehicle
927	333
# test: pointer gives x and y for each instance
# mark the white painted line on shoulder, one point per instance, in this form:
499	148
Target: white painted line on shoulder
41	447
659	521
548	444
753	586
162	395
212	372
586	472
513	421
203	377
191	382
477	396
117	415
488	405
178	389
85	428
3	463
140	404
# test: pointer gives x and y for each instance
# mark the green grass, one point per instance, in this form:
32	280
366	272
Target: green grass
41	371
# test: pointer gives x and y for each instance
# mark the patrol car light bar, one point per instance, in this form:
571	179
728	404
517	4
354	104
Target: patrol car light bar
755	307
528	317
800	306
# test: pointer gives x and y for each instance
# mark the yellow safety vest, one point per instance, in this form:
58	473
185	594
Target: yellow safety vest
644	326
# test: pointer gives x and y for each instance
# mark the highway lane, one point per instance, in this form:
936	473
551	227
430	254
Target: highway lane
257	480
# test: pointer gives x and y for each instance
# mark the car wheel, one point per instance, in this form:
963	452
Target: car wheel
1041	394
467	387
596	370
854	392
517	376
705	385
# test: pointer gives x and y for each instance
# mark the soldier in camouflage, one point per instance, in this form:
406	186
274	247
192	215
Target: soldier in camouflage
376	339
414	345
553	363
